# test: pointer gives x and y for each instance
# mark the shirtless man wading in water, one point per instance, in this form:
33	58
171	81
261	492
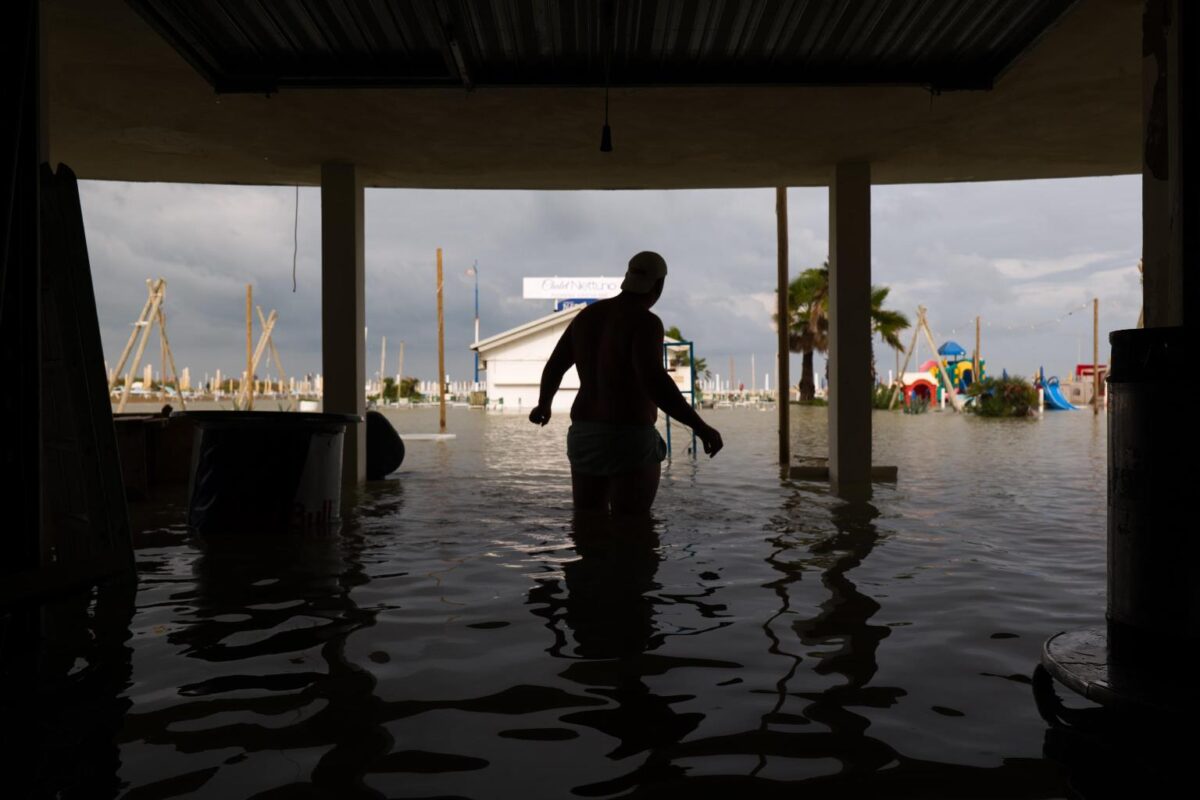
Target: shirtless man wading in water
616	345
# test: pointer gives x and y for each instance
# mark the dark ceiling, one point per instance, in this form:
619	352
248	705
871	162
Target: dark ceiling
268	45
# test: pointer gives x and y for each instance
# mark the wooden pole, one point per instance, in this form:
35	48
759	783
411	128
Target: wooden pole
441	348
137	324
954	401
783	378
248	379
248	390
137	358
162	354
975	366
1095	355
912	348
162	332
274	351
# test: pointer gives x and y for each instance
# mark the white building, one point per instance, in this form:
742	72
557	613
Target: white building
514	361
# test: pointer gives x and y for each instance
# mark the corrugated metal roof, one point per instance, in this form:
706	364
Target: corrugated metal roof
267	45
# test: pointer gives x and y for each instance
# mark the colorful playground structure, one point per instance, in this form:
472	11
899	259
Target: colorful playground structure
1077	392
927	382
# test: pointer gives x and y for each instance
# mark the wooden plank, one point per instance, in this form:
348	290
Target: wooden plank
86	520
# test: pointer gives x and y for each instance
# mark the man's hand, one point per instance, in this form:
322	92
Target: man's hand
711	439
541	415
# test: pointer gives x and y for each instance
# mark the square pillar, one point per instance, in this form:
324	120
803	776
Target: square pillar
850	331
1170	180
343	309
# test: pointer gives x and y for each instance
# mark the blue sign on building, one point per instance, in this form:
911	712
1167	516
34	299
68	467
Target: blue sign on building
565	304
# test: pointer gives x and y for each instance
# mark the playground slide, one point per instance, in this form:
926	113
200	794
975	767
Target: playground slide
1054	398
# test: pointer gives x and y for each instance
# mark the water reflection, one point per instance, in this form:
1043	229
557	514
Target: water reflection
271	616
839	637
607	603
463	637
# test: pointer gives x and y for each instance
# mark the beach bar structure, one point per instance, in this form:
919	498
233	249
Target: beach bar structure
512	94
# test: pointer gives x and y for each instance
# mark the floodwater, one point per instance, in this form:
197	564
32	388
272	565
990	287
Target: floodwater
460	637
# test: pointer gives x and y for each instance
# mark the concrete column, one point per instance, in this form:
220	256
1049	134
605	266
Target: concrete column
1169	182
343	308
850	331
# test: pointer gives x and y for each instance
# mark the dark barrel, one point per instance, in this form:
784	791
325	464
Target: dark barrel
1153	564
265	471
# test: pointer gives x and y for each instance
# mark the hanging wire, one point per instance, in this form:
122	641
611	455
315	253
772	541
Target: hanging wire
1027	326
295	237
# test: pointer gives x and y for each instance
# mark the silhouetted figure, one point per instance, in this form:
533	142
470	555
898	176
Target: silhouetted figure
616	345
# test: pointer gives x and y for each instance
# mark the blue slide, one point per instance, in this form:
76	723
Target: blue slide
1054	396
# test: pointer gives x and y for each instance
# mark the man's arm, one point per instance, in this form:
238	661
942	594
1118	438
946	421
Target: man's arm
648	362
560	361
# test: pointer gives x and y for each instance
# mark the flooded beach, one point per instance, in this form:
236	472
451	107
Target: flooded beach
461	636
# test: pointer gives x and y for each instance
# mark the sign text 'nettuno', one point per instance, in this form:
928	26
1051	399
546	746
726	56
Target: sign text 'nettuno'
568	288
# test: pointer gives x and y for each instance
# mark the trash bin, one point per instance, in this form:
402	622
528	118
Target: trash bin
1153	570
265	472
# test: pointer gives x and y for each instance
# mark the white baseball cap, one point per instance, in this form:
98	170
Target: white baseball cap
645	270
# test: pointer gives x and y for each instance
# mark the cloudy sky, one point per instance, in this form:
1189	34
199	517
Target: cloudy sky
1026	256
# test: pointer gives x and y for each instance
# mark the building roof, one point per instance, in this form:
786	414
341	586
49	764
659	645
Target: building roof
538	325
548	322
705	93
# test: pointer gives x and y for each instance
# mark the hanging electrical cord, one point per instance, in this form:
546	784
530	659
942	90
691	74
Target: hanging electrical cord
295	237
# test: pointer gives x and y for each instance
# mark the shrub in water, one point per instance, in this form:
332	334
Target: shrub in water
1010	396
917	405
881	396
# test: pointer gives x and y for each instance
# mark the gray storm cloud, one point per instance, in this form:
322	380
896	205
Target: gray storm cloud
1023	255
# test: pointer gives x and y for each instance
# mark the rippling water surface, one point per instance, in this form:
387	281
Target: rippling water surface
460	637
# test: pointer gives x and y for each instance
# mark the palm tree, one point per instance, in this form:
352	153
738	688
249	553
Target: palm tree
808	328
886	323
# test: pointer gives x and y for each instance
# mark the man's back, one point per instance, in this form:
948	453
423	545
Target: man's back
615	450
603	339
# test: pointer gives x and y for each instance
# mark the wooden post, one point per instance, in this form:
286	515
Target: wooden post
954	399
162	356
912	348
782	376
975	366
1095	355
166	343
274	351
248	377
441	348
248	389
145	324
116	373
